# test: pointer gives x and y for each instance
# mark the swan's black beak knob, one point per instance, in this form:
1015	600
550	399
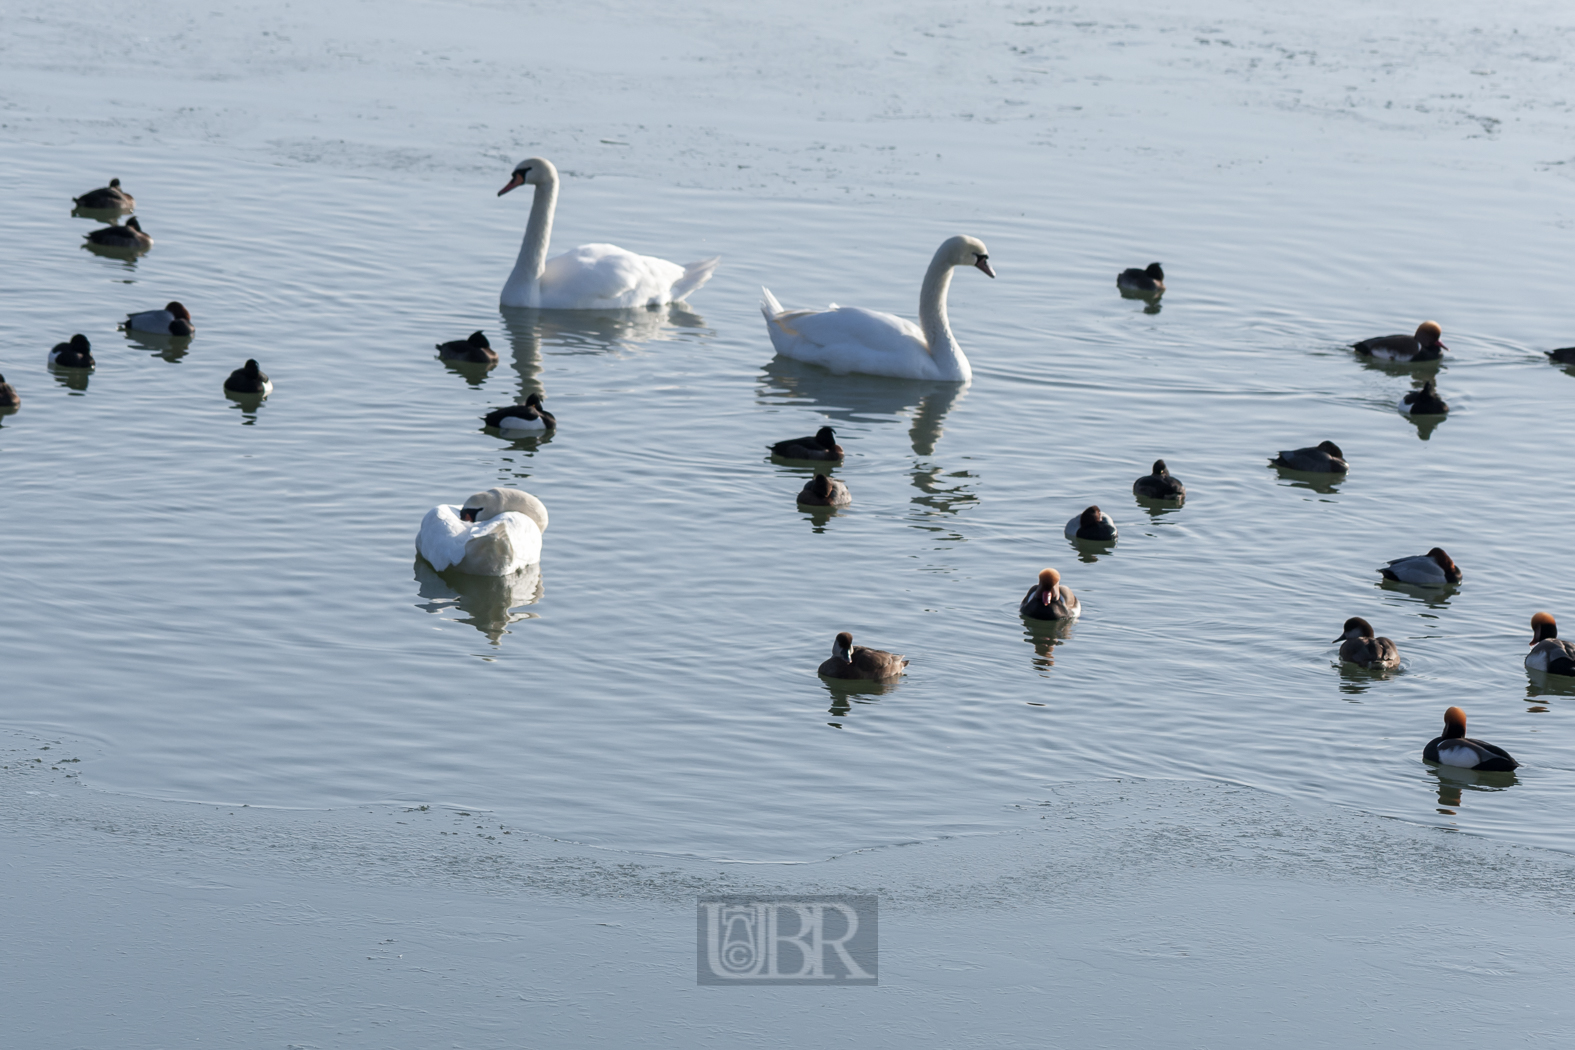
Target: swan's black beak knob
468	513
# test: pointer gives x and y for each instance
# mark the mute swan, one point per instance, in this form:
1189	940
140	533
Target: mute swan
820	447
106	198
529	416
855	661
1325	458
823	491
9	398
1549	652
1363	649
1433	569
474	349
1423	346
1424	402
851	339
1159	484
1049	600
1143	283
127	236
78	353
174	320
249	379
496	533
1454	748
592	276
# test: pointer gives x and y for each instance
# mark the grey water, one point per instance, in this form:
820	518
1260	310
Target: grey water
213	601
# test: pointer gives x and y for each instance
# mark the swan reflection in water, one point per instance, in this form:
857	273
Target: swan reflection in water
1453	783
489	603
170	347
869	399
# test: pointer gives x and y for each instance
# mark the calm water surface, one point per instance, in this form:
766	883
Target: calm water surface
210	601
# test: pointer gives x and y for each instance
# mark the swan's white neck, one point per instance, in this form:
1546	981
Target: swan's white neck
948	356
524	284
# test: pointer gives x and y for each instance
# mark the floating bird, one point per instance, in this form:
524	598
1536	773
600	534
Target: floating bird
127	236
249	379
1363	649
1433	569
78	353
822	447
1048	600
1423	346
1549	652
855	661
174	319
1563	356
495	533
823	491
106	198
1424	402
529	416
1325	458
846	339
1454	748
1092	524
592	276
473	350
9	398
1159	484
1145	282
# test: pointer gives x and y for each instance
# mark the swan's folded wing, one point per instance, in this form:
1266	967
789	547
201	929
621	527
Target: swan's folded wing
442	538
855	326
607	275
524	536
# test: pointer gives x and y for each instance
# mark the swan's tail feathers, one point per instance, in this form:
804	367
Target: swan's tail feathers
769	305
695	274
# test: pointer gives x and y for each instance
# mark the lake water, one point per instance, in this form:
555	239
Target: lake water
207	602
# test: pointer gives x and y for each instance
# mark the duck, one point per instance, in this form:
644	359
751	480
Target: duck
1424	402
855	661
127	236
1564	355
592	276
174	320
106	197
1159	484
821	447
9	398
474	349
493	533
1549	652
1092	524
1145	282
529	416
1423	346
1048	600
1361	648
844	339
1323	458
249	379
78	353
1454	748
824	491
1433	569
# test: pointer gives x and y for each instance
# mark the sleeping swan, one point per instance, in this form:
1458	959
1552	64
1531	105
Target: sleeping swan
496	533
851	339
592	276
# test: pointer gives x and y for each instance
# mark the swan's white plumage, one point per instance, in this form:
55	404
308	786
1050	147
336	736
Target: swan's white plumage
592	276
847	339
504	538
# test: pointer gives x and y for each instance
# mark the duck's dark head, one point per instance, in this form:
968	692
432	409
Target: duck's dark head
133	224
842	645
251	368
80	344
1444	561
533	401
1454	724
1156	271
1356	627
1331	448
826	438
1090	518
1160	470
479	339
1543	626
178	310
822	486
114	184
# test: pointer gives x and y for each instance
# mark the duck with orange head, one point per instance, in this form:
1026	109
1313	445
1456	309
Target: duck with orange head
1549	652
1456	749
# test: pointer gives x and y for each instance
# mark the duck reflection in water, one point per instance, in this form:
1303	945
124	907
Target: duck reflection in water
862	399
489	603
1453	783
170	347
1044	636
844	693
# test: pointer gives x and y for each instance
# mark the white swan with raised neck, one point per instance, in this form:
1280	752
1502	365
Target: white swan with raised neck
852	339
592	276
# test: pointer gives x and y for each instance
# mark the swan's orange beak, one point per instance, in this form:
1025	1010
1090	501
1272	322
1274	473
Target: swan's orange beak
517	180
983	263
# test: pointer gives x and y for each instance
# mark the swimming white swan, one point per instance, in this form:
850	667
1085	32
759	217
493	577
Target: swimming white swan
851	339
496	532
592	276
